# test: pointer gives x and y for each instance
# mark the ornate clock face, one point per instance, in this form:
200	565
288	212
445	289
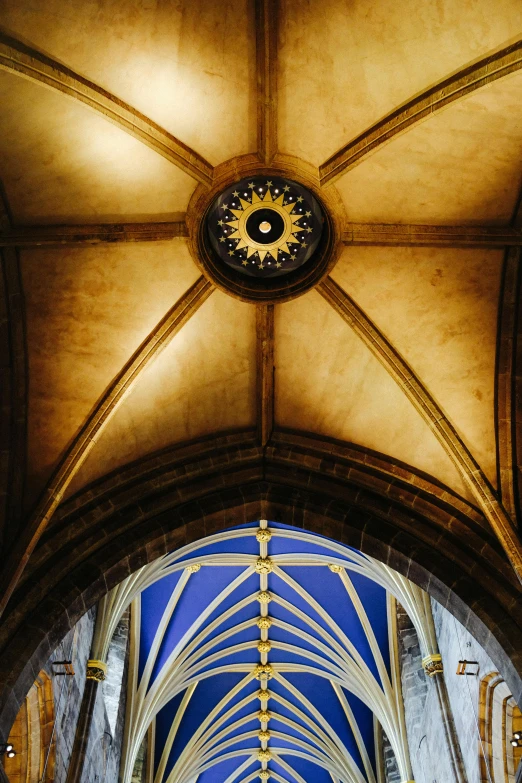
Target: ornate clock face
265	227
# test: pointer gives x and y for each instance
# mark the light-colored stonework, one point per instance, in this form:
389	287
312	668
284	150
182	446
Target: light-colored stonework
269	118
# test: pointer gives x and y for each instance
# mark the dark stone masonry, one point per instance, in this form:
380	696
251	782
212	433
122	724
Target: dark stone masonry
105	741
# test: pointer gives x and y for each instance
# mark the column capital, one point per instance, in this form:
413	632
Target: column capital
433	664
96	670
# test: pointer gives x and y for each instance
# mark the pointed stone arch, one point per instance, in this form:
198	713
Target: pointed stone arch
32	736
499	717
339	490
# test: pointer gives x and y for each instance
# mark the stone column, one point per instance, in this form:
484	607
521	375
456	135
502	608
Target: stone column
96	671
434	669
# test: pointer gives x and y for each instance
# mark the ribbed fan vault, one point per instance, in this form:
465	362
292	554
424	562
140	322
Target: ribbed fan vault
263	652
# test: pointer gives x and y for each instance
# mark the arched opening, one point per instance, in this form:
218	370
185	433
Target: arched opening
143	757
263	650
32	736
499	720
147	510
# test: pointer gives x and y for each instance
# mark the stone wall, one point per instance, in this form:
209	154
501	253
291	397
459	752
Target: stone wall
103	755
139	772
429	753
391	768
456	644
102	761
68	691
426	722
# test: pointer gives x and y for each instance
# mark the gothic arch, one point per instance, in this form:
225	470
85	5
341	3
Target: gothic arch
32	736
499	717
350	494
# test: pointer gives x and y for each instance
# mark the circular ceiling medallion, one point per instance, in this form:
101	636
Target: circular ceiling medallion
264	237
265	227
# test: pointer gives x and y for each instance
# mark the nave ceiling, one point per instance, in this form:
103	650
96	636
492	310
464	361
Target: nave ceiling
265	653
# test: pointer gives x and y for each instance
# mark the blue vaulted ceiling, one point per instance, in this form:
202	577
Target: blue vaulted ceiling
322	653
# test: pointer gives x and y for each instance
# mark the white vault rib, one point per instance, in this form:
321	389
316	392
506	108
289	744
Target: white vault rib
158	777
356	732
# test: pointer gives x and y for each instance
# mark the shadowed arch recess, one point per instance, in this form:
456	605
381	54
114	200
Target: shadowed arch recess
360	498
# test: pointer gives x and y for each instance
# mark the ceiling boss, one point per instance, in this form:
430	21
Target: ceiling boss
265	227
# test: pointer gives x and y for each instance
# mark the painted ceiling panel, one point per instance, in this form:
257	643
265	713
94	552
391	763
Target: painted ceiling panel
88	309
438	306
60	162
183	63
154	602
240	599
201	383
305	769
328	382
191	606
344	65
461	165
326	589
316	723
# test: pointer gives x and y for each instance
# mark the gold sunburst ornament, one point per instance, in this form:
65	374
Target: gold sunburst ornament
247	231
264	228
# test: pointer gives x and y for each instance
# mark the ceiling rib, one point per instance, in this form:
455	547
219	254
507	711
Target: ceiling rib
149	697
451	89
266	72
208	724
361	747
432	414
402	235
265	371
505	371
156	341
13	381
35	236
360	234
195	748
17	58
160	772
413	598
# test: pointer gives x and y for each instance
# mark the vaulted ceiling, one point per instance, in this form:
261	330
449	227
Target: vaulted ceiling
265	652
118	115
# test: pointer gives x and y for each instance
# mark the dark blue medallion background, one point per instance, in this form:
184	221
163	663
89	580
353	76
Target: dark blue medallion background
224	247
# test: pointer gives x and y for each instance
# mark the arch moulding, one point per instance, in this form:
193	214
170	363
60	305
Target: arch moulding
361	498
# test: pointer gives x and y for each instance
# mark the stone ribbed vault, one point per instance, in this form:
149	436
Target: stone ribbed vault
144	407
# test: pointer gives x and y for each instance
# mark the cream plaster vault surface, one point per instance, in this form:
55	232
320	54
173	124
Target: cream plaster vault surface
203	382
328	382
190	66
187	64
438	306
344	65
461	165
60	162
88	309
